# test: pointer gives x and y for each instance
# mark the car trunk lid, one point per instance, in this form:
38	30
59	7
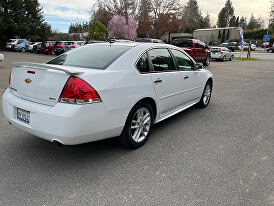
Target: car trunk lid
41	83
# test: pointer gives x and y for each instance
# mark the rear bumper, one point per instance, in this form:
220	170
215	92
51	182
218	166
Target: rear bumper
65	123
213	56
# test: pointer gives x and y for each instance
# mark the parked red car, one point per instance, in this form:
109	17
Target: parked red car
195	48
47	47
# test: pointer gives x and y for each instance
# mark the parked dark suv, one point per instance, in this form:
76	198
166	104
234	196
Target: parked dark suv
195	48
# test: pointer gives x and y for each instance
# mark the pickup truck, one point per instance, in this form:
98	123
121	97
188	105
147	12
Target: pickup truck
195	48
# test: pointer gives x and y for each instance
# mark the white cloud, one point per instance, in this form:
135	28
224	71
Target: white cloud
71	4
67	14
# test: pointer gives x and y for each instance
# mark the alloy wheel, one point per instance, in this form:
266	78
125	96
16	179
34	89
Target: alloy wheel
207	94
140	125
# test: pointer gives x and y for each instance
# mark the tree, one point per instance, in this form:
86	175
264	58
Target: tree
98	31
243	22
122	29
192	17
162	9
22	18
102	15
79	27
254	23
226	15
145	22
126	8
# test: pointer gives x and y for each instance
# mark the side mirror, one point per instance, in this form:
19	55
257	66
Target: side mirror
198	66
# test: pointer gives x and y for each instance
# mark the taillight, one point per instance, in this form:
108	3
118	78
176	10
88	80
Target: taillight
221	51
73	46
60	46
77	91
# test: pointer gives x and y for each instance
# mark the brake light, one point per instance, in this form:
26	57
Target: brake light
77	91
73	46
221	51
60	46
15	45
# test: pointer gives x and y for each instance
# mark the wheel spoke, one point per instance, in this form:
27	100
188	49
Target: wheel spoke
134	126
146	120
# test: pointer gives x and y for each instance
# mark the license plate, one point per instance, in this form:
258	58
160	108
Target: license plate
23	115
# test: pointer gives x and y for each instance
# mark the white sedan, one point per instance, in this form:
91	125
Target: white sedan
2	57
105	90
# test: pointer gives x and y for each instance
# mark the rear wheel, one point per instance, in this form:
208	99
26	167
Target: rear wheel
205	99
224	58
23	49
138	126
270	51
207	61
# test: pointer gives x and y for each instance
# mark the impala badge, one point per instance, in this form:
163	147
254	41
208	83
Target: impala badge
28	80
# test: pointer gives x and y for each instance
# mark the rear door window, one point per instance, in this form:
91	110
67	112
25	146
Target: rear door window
143	64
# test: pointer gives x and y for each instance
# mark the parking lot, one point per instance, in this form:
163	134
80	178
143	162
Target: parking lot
221	155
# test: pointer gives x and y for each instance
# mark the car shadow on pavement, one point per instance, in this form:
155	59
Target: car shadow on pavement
37	150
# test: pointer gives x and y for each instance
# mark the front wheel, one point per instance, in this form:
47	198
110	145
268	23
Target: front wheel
270	51
138	126
205	99
207	61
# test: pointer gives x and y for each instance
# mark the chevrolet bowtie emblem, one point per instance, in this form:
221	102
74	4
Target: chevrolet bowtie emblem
28	80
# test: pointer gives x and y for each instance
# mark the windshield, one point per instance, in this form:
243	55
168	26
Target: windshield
11	40
96	57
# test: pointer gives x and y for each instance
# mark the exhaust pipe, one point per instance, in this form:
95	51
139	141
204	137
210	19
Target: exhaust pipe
57	143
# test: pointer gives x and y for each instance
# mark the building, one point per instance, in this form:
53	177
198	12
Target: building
217	35
171	36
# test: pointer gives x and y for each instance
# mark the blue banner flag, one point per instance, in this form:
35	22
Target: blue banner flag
241	33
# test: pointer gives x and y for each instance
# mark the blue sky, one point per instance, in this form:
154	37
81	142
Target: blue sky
60	13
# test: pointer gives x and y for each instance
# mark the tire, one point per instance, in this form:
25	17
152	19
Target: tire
270	51
23	50
224	58
207	61
205	99
230	58
138	126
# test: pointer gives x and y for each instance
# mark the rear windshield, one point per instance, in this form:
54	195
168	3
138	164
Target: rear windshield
183	43
11	41
143	40
95	57
215	50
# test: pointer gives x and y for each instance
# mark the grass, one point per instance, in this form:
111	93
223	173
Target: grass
246	59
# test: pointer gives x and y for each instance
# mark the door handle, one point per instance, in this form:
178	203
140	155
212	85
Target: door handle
186	77
158	81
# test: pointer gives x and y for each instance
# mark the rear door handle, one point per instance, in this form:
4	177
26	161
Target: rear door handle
186	77
158	81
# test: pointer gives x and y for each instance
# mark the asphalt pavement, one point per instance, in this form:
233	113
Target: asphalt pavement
221	155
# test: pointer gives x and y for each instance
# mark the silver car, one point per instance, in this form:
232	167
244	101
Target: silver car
221	53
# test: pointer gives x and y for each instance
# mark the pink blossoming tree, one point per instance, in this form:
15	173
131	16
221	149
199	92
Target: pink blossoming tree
118	27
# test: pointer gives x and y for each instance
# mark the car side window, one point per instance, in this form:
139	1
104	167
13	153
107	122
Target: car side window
197	45
183	61
143	65
161	60
20	41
